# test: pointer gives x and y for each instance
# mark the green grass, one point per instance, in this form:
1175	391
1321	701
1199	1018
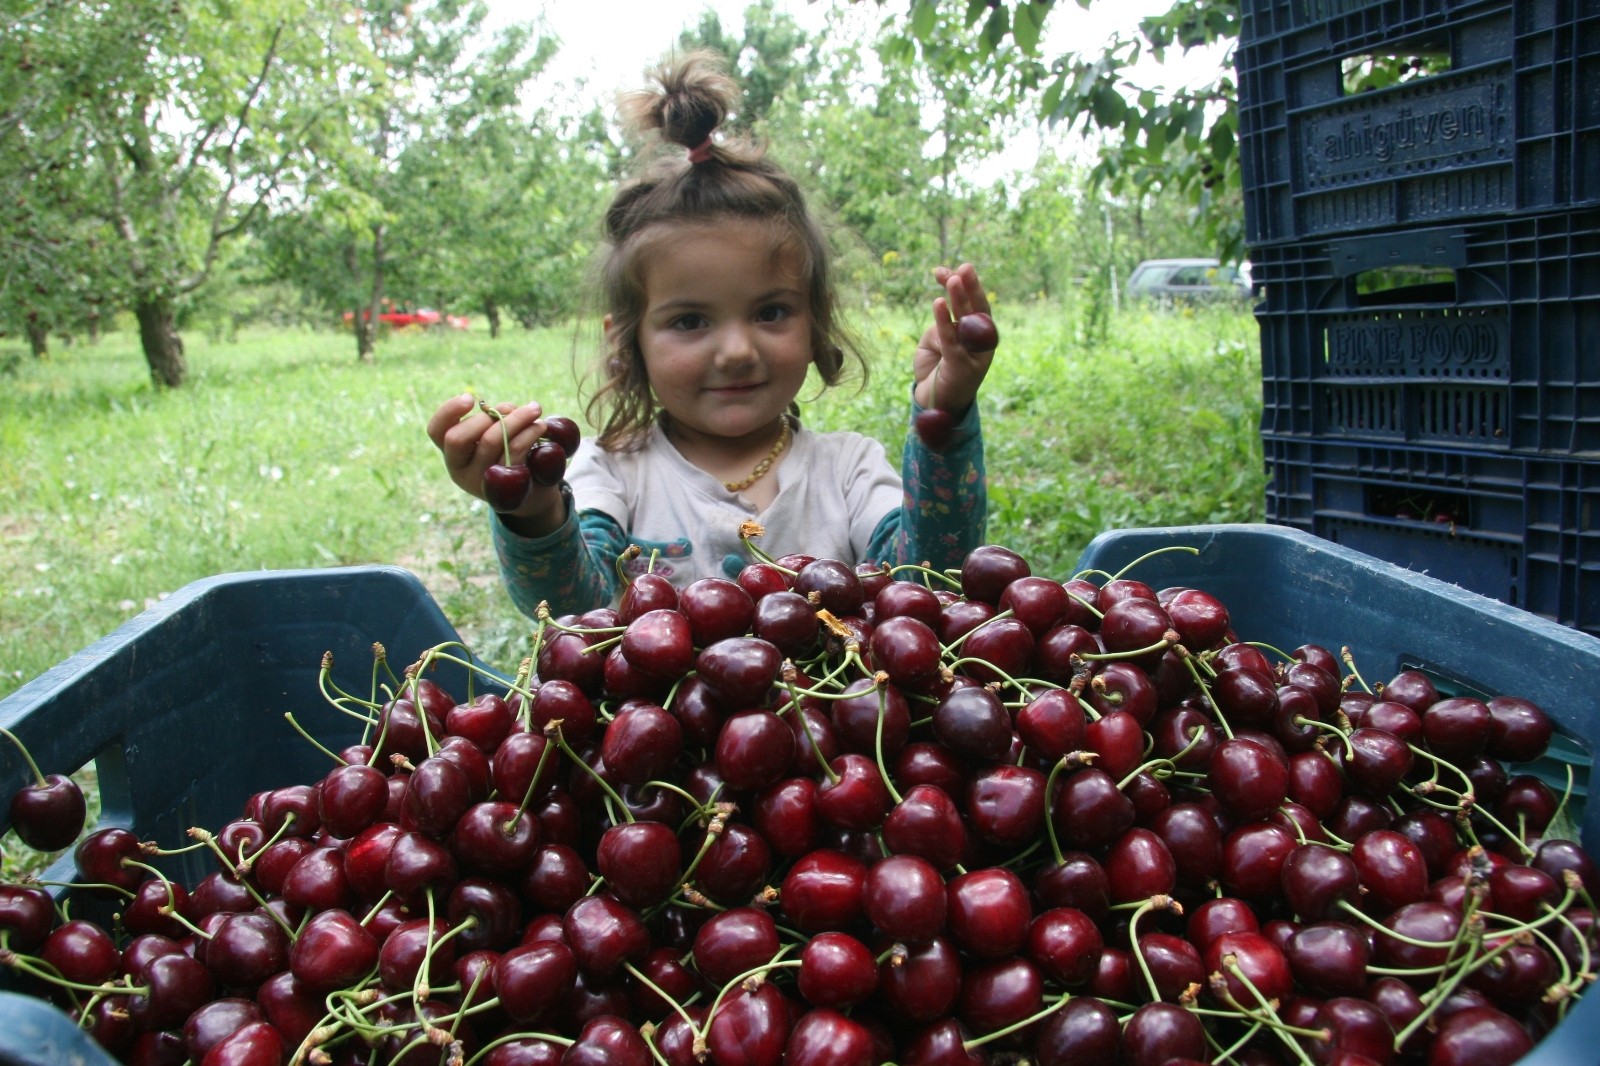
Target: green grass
282	451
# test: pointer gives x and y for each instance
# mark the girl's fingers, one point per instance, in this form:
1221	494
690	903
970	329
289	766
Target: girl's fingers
448	416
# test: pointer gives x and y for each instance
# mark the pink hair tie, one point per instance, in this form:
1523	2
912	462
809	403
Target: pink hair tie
701	152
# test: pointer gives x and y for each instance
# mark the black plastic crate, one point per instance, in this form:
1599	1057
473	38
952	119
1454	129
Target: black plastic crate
1523	531
1286	588
1348	20
1499	113
1481	337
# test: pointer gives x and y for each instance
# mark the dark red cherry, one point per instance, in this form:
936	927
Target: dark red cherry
1254	971
935	428
904	897
1412	688
927	822
506	485
1247	779
546	462
987	571
837	970
921	982
1457	729
987	911
608	1040
1065	944
1084	1030
740	670
823	891
836	586
1519	730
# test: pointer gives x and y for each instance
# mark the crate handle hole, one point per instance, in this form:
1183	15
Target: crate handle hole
1405	283
1412	503
1367	72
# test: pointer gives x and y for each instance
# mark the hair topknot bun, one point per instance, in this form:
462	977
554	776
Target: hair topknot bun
691	95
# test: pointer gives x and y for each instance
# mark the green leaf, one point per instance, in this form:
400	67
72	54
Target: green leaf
996	28
1026	26
924	17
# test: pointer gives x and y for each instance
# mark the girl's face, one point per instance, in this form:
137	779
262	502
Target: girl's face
726	330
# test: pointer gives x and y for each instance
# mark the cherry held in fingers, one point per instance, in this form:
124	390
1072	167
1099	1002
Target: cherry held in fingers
977	332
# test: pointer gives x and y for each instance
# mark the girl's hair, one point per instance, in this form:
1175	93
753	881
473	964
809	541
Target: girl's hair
726	179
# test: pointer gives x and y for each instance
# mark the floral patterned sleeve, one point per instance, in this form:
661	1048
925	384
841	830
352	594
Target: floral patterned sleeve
946	504
572	569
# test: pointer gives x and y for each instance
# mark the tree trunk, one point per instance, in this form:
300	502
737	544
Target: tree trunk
158	334
367	331
491	311
38	337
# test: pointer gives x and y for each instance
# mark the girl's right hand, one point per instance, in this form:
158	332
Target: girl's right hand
471	440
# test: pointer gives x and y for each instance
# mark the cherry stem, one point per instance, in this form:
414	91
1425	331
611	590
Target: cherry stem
954	645
719	822
104	887
811	740
925	571
1344	738
38	776
1226	1054
1231	963
1356	912
338	697
777	962
1138	950
538	769
378	906
1180	548
1116	656
1349	660
1205	690
1049	813
677	1007
420	985
505	434
288	716
36	967
566	749
509	1037
748	532
987	1038
882	681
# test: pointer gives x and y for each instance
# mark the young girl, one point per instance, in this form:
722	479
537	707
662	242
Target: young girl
719	301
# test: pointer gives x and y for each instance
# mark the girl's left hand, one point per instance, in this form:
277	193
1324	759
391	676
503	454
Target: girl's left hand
947	373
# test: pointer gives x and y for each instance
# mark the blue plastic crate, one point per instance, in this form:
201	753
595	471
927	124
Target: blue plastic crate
1288	588
1507	125
181	711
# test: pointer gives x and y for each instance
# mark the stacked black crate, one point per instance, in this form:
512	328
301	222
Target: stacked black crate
1422	202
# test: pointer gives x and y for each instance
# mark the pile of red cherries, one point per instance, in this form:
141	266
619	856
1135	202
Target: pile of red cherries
827	815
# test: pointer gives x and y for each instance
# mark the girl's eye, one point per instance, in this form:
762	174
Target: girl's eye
772	313
689	322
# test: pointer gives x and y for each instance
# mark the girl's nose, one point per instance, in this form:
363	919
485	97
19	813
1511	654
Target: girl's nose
736	346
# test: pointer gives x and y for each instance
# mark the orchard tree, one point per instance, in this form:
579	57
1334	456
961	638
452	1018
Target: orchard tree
505	216
1182	141
419	85
165	127
892	143
773	59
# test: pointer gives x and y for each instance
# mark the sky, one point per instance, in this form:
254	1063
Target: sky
610	44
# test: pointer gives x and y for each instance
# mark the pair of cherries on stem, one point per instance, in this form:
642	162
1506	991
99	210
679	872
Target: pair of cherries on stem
506	484
935	425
